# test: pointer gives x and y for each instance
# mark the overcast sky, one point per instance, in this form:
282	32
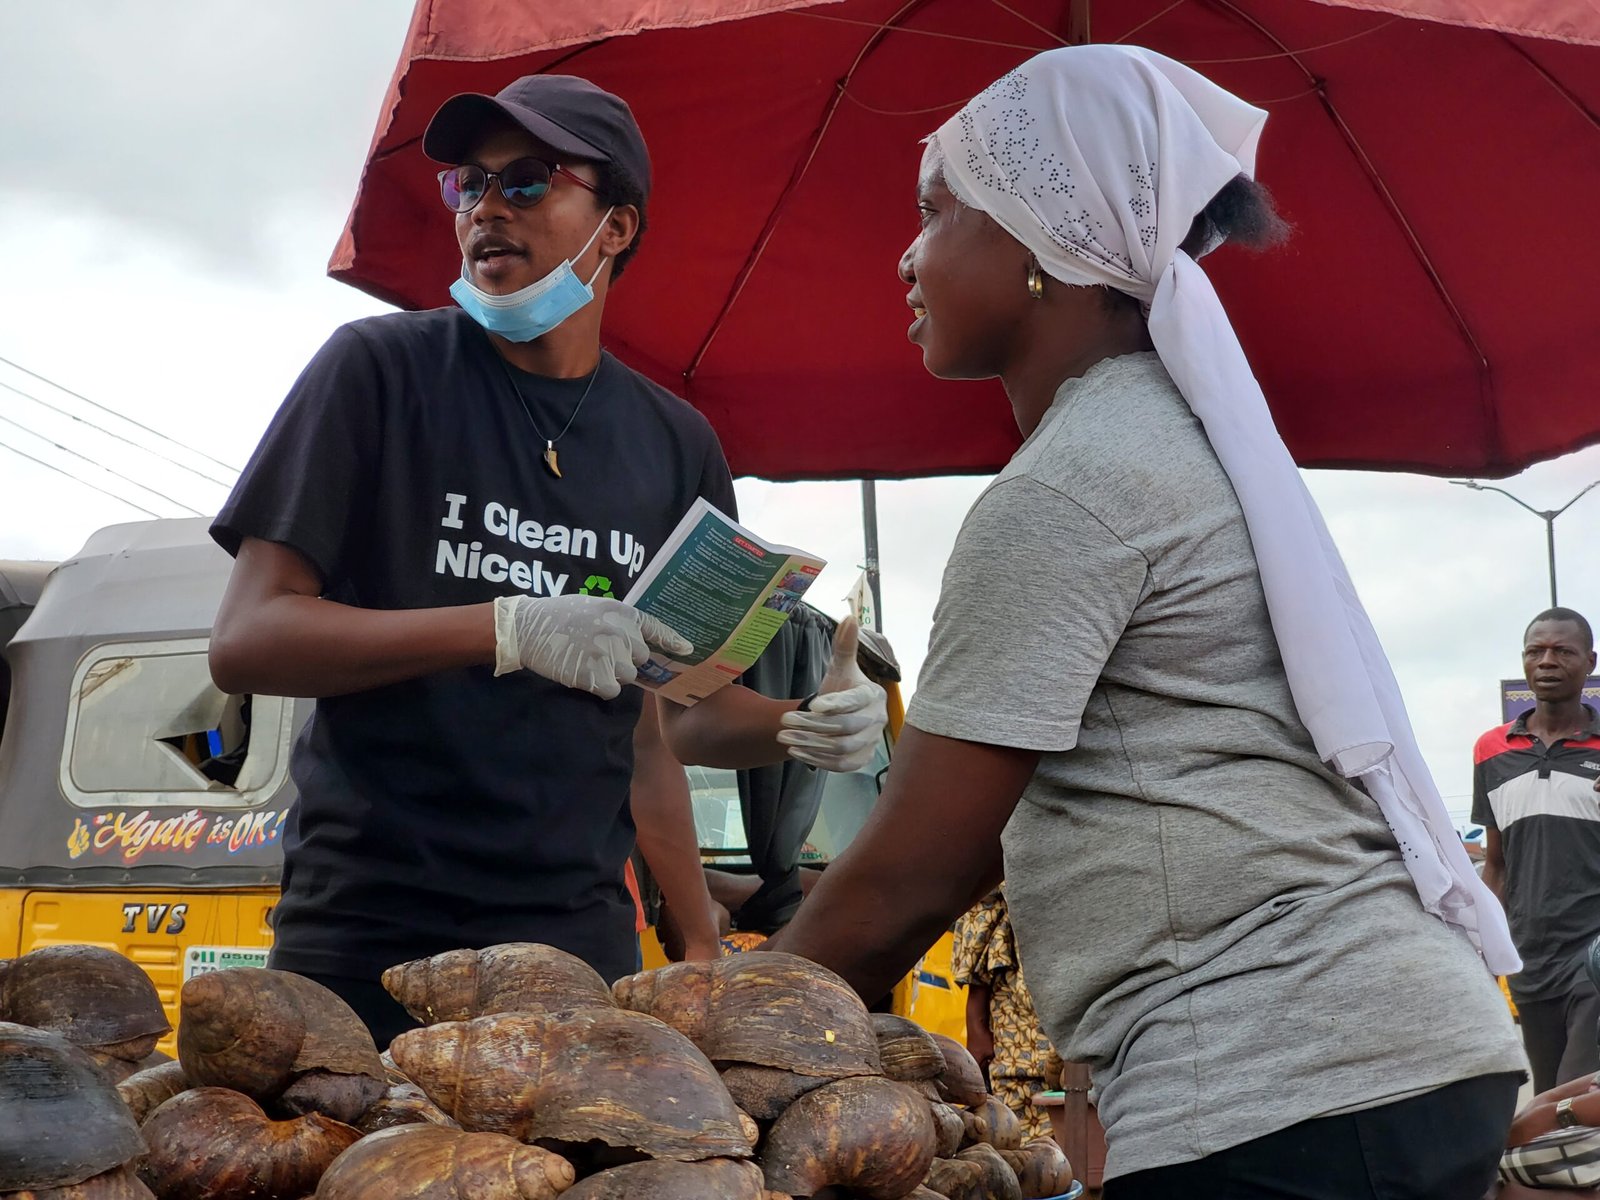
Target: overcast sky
173	179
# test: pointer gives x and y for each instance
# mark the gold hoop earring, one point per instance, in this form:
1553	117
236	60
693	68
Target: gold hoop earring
1035	281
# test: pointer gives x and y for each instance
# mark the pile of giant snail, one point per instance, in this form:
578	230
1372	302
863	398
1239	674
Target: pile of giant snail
759	1076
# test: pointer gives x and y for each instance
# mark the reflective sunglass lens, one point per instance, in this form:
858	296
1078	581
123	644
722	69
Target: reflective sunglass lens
462	188
525	181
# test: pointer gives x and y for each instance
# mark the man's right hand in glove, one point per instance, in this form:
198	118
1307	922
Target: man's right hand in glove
585	642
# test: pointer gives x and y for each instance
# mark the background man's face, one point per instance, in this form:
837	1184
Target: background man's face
1556	661
506	248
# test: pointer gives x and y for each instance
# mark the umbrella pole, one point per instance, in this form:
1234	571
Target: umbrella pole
869	528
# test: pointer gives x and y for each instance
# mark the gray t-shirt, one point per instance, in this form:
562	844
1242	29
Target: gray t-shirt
1207	915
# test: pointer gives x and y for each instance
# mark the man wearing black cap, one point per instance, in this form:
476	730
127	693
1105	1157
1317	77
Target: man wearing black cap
429	539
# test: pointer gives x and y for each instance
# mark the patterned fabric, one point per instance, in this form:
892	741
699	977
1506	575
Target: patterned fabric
986	954
1567	1158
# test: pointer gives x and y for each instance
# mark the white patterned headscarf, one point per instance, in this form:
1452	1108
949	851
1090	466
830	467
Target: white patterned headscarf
1098	159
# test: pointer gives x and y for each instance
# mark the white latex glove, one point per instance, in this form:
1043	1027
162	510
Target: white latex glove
586	642
845	724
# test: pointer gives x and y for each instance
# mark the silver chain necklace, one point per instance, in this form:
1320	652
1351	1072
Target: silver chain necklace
551	462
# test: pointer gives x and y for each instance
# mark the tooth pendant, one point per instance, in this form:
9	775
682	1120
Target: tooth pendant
551	463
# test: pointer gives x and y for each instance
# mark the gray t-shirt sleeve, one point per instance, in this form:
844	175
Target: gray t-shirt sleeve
1035	597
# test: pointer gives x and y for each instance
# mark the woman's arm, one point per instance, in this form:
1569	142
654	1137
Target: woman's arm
928	852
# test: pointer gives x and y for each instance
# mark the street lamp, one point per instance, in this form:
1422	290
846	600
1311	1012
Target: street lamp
1547	515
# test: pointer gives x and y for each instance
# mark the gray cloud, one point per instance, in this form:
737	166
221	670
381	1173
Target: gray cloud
196	122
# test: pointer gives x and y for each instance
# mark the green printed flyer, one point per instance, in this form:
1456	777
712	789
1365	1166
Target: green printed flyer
727	591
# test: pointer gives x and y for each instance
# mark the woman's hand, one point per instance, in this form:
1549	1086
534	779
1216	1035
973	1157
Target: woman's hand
1539	1117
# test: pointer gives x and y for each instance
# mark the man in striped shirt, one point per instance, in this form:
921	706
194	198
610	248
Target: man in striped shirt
1534	790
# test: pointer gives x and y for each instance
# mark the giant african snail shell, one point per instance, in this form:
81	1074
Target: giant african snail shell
908	1051
214	1144
278	1037
762	1007
91	996
992	1123
714	1179
594	1074
61	1121
867	1133
1042	1170
119	1183
427	1162
461	985
403	1103
765	1092
961	1081
146	1089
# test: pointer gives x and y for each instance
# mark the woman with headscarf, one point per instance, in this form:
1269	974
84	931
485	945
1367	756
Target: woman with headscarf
1235	890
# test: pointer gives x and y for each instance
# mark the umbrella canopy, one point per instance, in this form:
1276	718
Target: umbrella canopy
1432	311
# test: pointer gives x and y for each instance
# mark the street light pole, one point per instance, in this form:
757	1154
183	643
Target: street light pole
1547	515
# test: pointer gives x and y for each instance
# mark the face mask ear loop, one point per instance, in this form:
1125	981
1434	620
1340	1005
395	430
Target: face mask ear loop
603	258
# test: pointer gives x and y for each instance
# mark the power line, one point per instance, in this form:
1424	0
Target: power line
55	408
120	416
109	470
75	479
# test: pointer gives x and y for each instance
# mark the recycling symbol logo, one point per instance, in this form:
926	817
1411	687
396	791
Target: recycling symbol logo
597	585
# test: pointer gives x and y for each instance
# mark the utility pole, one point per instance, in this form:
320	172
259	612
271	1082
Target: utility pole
869	527
1547	515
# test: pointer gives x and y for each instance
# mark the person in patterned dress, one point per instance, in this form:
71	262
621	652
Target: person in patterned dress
1002	1028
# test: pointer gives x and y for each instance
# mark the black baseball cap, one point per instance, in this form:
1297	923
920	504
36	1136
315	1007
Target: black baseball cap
568	114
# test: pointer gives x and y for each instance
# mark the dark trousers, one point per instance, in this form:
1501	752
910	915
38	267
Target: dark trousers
1562	1036
1441	1145
381	1012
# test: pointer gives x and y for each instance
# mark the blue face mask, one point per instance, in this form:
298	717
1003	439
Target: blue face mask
535	310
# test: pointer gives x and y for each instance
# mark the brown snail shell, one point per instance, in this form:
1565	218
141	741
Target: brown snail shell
145	1090
120	1183
765	1092
907	1050
955	1179
594	1074
961	1081
763	1007
949	1128
89	995
210	1143
403	1103
999	1180
63	1122
278	1037
992	1123
713	1179
1041	1169
461	985
868	1134
429	1162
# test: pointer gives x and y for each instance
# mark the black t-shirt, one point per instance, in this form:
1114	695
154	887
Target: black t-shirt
459	809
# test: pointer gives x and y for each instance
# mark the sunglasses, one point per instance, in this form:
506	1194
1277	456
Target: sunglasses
523	182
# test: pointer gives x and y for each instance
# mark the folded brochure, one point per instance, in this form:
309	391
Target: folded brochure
727	591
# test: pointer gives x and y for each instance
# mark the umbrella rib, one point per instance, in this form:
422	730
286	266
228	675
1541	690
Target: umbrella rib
801	167
1375	177
1561	89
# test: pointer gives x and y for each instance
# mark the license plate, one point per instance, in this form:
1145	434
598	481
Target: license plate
202	960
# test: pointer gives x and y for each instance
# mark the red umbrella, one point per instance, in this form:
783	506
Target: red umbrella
1432	312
